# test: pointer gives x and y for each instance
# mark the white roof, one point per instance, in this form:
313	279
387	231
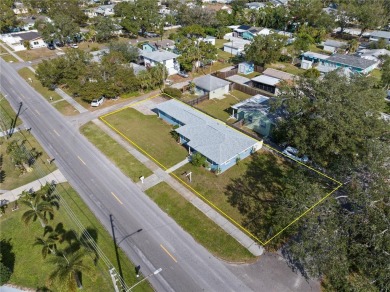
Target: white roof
212	138
238	44
159	56
266	80
315	55
238	79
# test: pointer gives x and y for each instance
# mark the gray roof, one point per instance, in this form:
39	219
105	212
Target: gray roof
27	36
266	80
278	74
333	43
210	82
212	138
351	61
159	56
380	34
238	79
137	68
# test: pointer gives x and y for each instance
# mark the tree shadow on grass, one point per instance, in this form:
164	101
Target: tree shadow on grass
7	255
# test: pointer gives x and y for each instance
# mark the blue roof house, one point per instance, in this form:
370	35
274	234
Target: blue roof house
220	144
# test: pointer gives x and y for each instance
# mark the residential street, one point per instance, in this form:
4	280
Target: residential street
186	265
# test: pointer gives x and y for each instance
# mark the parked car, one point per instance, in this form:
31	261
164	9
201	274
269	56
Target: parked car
293	153
183	74
51	46
74	46
97	101
59	44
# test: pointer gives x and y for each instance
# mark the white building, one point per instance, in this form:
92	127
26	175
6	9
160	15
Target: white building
168	59
236	46
17	40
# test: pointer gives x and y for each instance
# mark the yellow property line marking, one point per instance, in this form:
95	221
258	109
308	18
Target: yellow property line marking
339	184
117	198
56	133
81	160
164	249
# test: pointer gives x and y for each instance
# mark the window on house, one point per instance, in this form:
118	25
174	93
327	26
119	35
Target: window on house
35	43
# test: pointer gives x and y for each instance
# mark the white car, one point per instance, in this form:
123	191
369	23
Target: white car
293	152
97	101
74	46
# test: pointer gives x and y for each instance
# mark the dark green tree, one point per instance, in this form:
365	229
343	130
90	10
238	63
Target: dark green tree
385	77
265	49
104	27
8	18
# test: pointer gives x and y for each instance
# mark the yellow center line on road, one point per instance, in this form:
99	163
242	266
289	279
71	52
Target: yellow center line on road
117	198
81	160
57	134
164	249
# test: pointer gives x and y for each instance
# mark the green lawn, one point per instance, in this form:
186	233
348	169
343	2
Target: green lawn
31	270
7	113
115	152
220	108
7	56
286	67
150	134
376	73
198	225
213	187
13	178
35	54
65	108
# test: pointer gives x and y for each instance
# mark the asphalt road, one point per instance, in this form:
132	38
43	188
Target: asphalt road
186	265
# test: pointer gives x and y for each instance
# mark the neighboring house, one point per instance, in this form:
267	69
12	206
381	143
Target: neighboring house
374	55
207	39
278	2
19	8
333	46
255	5
220	144
380	34
239	30
255	114
105	10
168	59
164	45
236	46
137	68
97	55
17	40
246	68
239	79
209	84
329	63
266	83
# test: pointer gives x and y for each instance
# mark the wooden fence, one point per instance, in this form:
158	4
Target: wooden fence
226	74
197	100
249	90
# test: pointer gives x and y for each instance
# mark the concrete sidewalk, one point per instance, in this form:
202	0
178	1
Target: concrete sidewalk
160	175
177	166
11	196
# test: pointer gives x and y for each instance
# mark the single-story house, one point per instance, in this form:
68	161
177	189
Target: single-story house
333	46
278	2
354	63
311	58
236	46
214	86
266	83
208	39
17	40
256	5
239	30
380	34
374	54
255	114
220	144
164	57
164	44
329	63
246	68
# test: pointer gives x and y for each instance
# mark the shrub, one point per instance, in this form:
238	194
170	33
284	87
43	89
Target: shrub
5	274
312	73
173	92
198	160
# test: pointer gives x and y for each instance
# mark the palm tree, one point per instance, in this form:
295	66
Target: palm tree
67	269
38	210
48	245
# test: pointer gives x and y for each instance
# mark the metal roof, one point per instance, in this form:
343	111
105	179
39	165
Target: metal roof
333	43
238	79
380	34
159	56
278	74
266	80
351	61
209	82
212	138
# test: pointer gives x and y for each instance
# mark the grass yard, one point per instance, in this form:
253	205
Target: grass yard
7	113
7	56
220	108
13	178
149	133
198	225
376	73
35	54
115	152
31	270
286	67
65	108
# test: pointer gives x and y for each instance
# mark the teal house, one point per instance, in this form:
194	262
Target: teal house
255	114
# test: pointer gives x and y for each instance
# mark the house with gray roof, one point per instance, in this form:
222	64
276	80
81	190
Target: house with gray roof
209	84
220	144
166	58
333	46
354	63
380	34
